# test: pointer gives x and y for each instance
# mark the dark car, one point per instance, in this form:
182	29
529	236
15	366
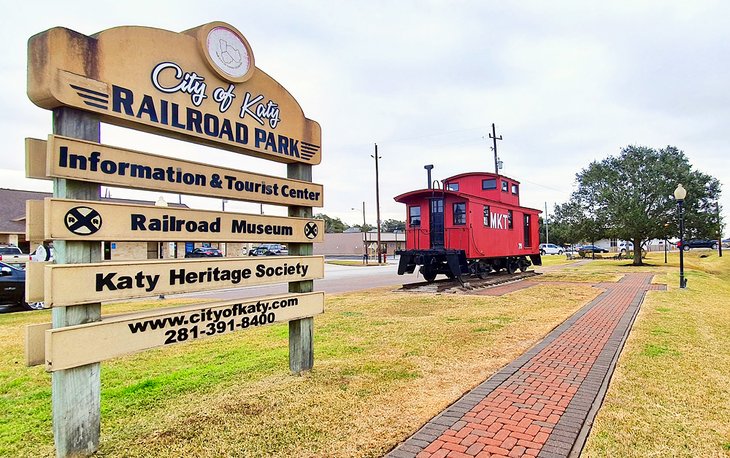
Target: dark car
12	288
698	243
204	252
591	249
269	249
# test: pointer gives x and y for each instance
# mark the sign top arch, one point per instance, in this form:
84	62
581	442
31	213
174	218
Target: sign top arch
200	85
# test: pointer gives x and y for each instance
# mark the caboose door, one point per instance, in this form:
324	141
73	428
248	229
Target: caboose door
437	223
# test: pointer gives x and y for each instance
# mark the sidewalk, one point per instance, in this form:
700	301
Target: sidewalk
543	403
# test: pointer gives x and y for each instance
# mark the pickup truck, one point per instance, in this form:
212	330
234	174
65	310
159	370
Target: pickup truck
11	254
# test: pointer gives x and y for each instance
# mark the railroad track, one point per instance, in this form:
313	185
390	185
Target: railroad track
470	283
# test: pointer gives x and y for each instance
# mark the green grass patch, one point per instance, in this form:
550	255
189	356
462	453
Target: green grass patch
384	364
670	394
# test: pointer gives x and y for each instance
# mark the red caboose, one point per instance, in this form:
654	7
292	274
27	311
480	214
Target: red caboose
473	225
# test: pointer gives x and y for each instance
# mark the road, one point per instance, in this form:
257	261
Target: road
337	279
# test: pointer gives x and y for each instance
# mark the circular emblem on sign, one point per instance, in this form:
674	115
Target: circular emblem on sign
228	53
83	220
311	230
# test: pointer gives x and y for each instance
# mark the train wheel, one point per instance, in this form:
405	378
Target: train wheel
511	267
524	264
429	274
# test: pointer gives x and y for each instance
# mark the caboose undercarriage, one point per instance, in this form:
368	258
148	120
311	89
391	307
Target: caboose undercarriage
454	263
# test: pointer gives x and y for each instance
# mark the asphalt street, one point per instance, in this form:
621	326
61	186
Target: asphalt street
337	279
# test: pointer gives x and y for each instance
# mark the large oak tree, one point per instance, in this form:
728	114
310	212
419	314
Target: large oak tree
631	197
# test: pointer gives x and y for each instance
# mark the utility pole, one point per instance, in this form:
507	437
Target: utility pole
494	138
377	202
547	229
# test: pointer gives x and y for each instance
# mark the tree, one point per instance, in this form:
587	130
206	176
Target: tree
574	222
364	228
630	197
392	225
332	224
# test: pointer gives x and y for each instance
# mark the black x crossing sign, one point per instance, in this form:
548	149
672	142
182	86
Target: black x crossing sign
83	220
311	230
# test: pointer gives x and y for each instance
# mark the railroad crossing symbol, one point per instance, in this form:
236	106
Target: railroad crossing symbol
83	220
311	230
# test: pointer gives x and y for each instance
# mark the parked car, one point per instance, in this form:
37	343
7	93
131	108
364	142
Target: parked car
11	254
549	248
269	249
12	288
698	243
726	243
204	252
585	249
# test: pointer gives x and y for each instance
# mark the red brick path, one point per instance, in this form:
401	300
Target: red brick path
543	403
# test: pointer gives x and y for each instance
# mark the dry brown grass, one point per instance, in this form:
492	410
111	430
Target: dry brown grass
384	364
670	394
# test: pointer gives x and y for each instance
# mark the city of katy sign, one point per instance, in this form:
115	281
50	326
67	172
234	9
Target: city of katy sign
94	220
62	157
71	284
119	335
200	85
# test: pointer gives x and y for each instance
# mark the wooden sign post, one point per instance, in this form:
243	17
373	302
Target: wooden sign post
76	392
301	332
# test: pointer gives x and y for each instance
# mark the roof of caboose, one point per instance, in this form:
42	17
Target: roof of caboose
424	192
421	193
480	174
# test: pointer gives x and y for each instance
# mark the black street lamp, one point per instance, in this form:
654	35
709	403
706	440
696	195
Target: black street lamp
679	194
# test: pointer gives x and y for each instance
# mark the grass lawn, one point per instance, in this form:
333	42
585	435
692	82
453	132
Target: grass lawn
670	394
387	362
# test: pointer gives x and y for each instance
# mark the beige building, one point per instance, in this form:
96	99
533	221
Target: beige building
355	243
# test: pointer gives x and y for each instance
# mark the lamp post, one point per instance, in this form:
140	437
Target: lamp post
719	230
679	194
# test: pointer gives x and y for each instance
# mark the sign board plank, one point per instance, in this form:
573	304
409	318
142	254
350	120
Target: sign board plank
34	221
124	334
72	284
34	282
93	220
35	343
179	87
35	158
73	159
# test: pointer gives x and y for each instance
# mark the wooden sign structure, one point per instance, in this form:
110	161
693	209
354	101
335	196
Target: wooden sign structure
62	157
200	86
111	337
94	220
73	284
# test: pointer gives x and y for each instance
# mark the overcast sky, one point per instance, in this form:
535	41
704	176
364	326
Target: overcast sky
565	82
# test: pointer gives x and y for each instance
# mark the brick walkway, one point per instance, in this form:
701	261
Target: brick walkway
543	403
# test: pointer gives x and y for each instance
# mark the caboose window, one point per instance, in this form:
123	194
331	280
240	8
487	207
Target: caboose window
459	213
515	189
486	216
505	186
452	187
489	184
509	219
414	216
